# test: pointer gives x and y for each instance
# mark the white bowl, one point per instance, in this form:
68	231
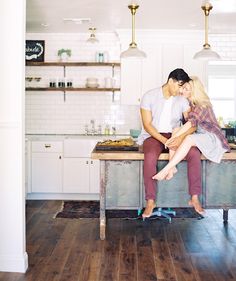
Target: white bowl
92	85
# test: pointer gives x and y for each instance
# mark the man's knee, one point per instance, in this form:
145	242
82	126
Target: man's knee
193	153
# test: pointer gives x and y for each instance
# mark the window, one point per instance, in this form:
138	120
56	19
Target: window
222	89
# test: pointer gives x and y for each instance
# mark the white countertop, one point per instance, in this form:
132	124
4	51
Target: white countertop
58	137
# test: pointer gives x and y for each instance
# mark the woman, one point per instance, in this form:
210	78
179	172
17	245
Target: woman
208	138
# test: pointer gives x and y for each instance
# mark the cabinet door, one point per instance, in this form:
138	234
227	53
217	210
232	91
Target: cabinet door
123	185
220	184
46	172
76	175
131	81
94	176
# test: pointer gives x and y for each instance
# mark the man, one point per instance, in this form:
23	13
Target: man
162	110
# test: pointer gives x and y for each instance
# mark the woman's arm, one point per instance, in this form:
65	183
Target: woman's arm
146	116
175	141
183	129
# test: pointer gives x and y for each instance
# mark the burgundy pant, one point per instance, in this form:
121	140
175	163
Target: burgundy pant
152	149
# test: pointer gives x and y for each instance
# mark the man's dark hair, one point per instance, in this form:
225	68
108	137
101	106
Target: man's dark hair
179	75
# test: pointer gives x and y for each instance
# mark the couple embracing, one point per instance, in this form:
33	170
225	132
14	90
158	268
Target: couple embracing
178	116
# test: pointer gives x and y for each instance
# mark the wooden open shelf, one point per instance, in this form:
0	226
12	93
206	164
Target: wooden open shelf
73	89
32	63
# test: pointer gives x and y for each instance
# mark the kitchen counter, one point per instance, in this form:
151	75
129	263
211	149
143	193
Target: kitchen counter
218	181
58	137
138	155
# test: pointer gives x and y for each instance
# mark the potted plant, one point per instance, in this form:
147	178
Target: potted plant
64	54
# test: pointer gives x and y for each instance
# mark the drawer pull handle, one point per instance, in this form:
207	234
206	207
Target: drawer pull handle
59	157
47	145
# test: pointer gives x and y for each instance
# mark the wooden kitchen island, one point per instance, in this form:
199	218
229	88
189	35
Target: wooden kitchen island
119	169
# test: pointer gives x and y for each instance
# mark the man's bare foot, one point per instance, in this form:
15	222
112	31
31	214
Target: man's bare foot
195	203
171	173
161	175
149	208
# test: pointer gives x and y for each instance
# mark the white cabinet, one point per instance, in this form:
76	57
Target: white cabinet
80	173
76	175
94	176
46	166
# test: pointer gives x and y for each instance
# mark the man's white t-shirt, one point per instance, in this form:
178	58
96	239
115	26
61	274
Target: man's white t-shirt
164	125
166	121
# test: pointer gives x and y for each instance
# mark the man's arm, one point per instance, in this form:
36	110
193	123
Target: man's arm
149	128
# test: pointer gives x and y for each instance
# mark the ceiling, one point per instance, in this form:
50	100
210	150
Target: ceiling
109	15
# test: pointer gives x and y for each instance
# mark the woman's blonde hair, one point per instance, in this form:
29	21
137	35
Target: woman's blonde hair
198	95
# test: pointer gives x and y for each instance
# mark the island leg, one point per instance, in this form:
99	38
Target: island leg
102	199
225	215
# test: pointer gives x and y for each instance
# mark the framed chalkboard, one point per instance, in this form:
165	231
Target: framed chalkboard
34	50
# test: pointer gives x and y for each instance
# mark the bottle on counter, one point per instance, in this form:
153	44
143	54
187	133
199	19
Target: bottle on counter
221	122
107	130
99	129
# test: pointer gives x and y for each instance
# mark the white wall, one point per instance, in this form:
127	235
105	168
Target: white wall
166	50
49	113
13	256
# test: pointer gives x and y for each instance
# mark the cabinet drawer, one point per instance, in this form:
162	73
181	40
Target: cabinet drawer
43	146
79	147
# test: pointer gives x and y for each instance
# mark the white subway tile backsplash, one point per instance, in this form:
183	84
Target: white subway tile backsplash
49	113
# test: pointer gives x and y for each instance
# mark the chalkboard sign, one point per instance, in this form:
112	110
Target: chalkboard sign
34	50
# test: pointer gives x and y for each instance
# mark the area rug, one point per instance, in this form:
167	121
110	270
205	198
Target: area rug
90	209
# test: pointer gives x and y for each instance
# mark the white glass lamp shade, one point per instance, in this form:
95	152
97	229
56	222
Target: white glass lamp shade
133	52
206	54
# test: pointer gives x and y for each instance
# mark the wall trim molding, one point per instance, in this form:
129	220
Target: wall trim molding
14	263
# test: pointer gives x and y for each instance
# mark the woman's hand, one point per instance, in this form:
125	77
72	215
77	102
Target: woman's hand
174	142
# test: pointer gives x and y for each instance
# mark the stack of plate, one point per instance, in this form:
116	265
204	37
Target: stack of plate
92	82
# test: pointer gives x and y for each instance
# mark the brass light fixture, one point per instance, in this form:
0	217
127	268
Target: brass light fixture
206	53
133	51
92	38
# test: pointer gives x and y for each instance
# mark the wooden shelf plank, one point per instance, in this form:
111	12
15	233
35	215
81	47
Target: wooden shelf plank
32	63
73	89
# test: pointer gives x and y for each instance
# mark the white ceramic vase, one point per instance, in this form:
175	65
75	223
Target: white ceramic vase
64	57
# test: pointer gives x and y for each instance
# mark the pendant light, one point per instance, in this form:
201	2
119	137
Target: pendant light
92	38
133	51
206	53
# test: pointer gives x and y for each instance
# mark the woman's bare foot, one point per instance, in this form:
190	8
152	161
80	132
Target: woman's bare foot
161	175
195	203
149	208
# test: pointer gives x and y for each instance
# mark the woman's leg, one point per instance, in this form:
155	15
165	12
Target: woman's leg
171	154
173	170
179	155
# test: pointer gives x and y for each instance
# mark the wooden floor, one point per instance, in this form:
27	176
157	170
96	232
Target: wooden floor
70	249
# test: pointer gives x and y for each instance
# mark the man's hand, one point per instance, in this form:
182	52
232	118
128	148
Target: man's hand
174	142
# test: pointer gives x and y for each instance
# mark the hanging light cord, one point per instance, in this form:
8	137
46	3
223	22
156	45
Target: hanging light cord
133	8
206	8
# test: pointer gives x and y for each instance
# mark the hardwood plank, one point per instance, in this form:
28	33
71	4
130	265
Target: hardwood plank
181	260
71	250
219	249
78	253
162	257
128	257
146	266
110	258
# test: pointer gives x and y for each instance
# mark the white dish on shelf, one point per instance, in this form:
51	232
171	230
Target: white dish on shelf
90	85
